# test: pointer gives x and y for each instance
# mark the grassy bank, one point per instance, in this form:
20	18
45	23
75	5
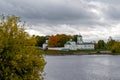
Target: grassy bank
78	52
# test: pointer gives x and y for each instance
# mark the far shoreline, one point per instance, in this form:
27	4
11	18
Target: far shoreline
78	52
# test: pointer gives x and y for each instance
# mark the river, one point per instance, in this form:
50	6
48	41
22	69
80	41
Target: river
82	67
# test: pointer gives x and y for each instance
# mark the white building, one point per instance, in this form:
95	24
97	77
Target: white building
45	45
80	45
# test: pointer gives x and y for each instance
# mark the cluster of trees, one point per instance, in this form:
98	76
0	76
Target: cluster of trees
100	45
58	40
20	59
111	44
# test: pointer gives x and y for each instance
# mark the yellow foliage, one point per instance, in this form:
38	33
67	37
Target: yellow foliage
20	59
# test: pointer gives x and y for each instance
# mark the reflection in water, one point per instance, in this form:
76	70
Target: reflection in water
87	67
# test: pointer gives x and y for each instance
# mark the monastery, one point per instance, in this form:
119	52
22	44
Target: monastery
72	45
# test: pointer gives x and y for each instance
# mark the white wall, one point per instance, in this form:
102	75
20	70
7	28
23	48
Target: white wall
88	46
44	46
55	48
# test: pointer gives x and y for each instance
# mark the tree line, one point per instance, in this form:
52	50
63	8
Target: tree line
112	45
59	40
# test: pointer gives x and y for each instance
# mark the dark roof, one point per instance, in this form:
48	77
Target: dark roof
79	35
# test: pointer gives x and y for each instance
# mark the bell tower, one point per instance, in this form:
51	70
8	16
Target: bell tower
79	39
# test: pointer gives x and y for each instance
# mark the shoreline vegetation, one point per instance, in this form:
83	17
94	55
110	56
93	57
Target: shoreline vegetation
79	52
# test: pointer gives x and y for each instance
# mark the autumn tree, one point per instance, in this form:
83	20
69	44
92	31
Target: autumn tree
110	43
58	40
19	58
116	48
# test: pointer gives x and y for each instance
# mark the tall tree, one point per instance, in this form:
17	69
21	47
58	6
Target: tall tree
101	44
40	40
110	43
19	58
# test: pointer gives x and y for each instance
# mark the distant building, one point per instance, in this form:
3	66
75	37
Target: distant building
80	45
45	45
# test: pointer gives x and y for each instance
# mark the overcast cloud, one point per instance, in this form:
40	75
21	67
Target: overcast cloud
94	19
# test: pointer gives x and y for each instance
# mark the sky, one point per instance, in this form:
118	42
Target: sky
93	19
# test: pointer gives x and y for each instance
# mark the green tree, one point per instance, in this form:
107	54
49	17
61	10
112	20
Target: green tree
40	40
101	44
19	58
75	38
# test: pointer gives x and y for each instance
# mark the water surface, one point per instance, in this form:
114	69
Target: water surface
83	67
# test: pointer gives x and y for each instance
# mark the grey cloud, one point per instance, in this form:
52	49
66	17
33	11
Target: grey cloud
90	17
113	13
60	12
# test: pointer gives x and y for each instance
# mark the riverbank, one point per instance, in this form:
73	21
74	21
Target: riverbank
78	52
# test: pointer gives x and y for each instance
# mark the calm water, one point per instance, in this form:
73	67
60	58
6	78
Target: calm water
85	67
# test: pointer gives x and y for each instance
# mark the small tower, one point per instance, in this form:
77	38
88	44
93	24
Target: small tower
79	39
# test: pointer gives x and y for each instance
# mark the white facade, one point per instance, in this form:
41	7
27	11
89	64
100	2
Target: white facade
80	45
85	46
45	45
71	45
